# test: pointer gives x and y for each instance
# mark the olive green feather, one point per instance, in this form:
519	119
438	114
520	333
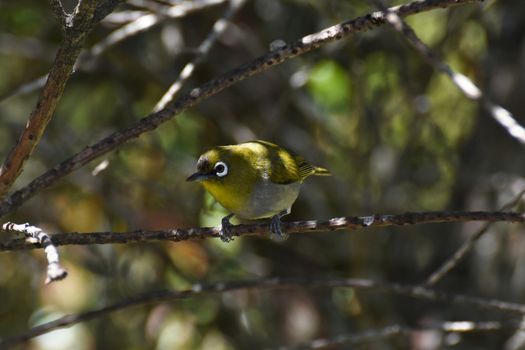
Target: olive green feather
288	167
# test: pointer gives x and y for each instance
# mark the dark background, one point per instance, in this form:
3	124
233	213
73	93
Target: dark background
397	136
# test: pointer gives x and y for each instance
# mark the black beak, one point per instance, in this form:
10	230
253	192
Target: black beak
198	177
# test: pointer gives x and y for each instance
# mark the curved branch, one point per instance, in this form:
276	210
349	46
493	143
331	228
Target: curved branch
197	95
268	283
341	223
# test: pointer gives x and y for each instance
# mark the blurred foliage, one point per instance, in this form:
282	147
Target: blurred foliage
396	135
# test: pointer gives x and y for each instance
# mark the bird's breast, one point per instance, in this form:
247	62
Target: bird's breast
268	199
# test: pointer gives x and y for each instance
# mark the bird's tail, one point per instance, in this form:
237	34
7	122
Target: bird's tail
306	169
318	171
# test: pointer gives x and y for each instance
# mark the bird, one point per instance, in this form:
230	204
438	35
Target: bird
254	180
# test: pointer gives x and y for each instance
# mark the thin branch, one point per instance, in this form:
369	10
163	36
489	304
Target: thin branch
61	15
177	9
134	27
59	74
397	330
466	247
203	50
25	88
342	223
146	22
213	87
264	284
517	340
463	83
55	271
104	8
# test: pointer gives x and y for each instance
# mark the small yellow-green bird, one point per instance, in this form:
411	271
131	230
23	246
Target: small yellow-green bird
253	180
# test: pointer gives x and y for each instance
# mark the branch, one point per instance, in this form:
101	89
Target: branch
74	37
104	8
396	330
197	95
204	48
128	30
466	247
268	283
61	15
335	224
55	271
463	83
174	9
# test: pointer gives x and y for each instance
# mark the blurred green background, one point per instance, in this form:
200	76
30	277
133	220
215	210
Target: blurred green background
396	135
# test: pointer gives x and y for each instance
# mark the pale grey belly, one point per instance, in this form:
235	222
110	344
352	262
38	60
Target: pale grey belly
269	199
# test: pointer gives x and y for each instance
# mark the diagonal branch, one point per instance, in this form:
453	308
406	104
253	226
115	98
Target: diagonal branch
61	70
342	223
213	87
463	83
466	247
202	51
268	284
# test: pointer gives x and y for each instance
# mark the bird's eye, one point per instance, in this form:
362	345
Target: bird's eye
221	169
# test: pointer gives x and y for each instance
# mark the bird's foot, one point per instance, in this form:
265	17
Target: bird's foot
225	233
275	227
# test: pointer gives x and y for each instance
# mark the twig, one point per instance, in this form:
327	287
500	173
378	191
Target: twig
146	22
104	8
517	340
466	247
463	83
136	26
61	15
342	223
204	48
128	30
197	95
25	88
396	330
178	9
262	284
55	271
74	37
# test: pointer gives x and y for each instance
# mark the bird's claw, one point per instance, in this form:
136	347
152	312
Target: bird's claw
225	232
275	228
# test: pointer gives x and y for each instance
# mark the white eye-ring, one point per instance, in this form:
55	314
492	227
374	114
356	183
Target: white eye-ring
221	169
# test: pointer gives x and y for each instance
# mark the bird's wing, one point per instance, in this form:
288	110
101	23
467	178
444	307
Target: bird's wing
284	169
